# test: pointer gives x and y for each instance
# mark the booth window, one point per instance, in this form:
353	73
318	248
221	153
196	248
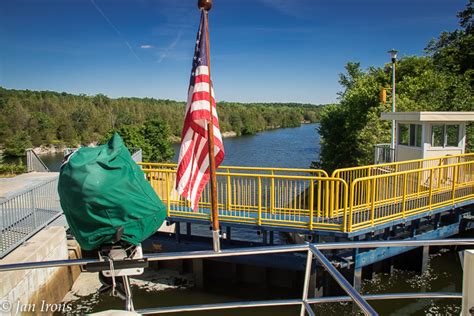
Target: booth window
445	136
403	134
409	135
452	135
437	136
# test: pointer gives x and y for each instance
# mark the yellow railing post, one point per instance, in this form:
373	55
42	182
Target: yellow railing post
440	176
395	184
311	203
319	212
351	208
326	199
372	197
331	198
272	194
431	189
344	220
229	191
455	179
168	194
418	189
259	201
404	194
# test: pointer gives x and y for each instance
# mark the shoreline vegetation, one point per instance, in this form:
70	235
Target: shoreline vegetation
51	121
54	149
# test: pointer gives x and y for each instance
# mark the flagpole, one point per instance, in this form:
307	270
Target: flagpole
206	5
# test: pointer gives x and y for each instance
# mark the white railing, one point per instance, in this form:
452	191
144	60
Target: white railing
313	251
27	212
34	162
383	153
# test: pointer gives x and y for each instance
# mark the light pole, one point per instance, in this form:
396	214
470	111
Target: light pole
393	55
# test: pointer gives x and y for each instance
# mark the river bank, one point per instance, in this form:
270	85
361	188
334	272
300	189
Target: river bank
294	147
52	149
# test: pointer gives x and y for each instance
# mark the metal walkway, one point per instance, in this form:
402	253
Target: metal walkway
351	200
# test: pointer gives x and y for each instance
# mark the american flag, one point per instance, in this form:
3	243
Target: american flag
193	163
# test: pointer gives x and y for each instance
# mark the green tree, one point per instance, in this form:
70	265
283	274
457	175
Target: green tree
62	118
157	134
454	51
16	145
152	138
350	129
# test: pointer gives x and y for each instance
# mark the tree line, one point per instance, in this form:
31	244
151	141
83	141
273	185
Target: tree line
441	80
35	118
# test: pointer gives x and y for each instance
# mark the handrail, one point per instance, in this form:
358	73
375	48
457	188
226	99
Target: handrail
260	198
295	302
26	212
310	249
325	203
425	188
34	162
260	175
229	168
362	171
346	286
248	251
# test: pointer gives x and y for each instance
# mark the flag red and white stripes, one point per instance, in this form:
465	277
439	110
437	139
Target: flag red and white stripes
193	164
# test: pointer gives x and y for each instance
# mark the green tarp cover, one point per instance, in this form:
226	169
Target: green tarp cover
102	189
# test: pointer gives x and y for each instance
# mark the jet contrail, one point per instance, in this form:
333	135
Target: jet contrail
170	47
115	29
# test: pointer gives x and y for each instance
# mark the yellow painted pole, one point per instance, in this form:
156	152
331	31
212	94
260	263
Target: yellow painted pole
351	208
331	205
439	173
344	223
311	203
272	194
431	189
395	184
168	194
372	210
259	201
229	192
326	198
404	194
318	207
368	193
295	184
455	179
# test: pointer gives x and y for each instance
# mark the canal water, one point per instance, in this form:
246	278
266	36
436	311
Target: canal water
294	147
286	147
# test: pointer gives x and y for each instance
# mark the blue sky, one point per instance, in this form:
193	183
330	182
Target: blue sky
261	50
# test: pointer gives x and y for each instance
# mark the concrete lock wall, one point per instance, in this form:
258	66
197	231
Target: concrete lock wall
36	290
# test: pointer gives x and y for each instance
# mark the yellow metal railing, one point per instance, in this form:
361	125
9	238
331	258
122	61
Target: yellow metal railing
352	173
383	198
261	199
284	197
240	169
349	175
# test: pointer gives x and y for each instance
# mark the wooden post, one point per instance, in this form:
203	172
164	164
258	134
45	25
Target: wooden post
205	6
